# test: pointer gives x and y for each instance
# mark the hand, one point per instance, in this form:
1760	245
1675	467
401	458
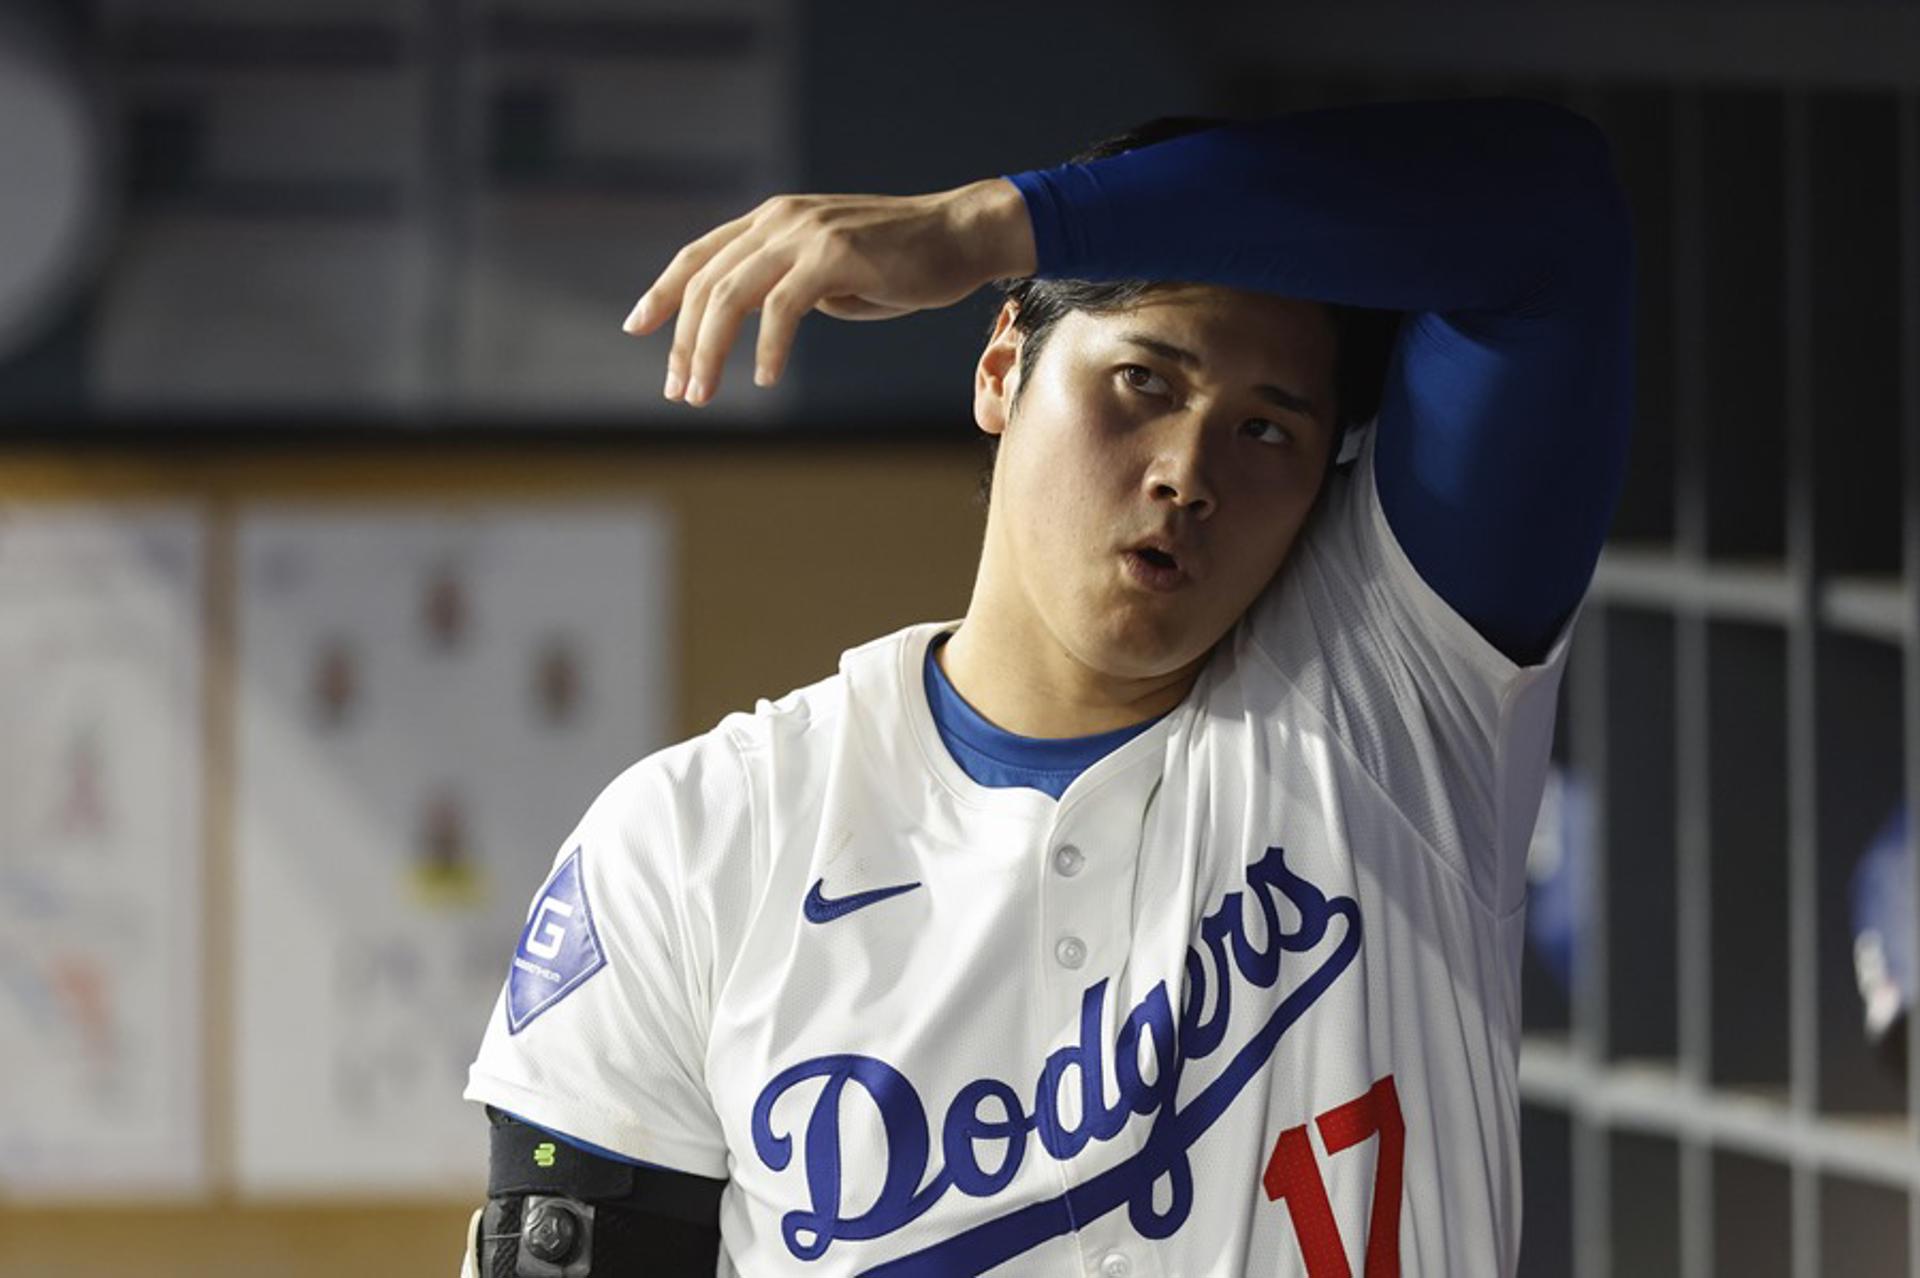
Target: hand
854	257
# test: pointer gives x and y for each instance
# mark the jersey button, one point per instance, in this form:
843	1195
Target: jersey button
1115	1265
1068	859
1071	952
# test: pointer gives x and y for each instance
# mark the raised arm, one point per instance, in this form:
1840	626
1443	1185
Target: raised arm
1498	224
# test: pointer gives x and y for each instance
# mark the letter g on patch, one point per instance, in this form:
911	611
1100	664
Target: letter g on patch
558	947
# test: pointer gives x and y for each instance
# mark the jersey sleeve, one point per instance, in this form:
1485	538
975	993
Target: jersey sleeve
600	1031
1455	733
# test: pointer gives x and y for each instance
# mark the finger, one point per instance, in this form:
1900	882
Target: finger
780	316
663	298
693	306
741	290
800	290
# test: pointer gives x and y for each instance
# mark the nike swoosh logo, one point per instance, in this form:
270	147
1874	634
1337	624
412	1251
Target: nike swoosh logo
821	910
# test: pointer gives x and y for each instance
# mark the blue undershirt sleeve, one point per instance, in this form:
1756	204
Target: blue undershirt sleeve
1498	225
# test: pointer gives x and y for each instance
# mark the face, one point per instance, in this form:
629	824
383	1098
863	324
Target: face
1118	439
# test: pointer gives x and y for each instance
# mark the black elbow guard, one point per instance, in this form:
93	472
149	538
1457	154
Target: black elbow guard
556	1211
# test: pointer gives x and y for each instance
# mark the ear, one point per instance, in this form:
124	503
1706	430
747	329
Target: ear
998	374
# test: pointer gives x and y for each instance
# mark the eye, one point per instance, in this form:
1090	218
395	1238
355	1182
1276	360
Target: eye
1285	436
1281	435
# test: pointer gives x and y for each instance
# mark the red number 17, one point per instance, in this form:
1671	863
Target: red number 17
1293	1174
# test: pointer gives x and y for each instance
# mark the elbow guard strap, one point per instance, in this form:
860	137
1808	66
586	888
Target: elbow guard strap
555	1210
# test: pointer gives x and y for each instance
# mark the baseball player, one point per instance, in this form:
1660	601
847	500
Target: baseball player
1162	917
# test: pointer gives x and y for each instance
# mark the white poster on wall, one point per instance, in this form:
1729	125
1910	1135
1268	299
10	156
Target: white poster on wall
101	757
427	704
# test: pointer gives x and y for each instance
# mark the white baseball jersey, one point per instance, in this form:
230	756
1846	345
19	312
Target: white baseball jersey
1244	1000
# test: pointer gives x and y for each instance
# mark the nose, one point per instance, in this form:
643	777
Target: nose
1178	471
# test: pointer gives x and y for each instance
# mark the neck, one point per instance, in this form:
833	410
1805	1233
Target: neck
1020	679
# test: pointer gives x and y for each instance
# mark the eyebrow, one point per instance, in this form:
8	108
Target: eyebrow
1276	395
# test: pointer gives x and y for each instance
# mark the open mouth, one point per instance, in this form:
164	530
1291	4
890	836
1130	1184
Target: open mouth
1158	558
1155	569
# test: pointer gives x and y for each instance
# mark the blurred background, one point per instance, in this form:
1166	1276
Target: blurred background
347	549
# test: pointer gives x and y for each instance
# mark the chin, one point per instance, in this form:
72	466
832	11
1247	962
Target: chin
1136	652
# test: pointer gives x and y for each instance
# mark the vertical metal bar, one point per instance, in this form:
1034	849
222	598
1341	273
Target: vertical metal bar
1590	1034
1693	882
1802	824
1592	1188
1908	135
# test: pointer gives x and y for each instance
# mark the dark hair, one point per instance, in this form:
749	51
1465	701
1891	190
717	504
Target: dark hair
1363	335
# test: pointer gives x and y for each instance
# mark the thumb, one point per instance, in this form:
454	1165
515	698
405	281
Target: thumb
850	306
